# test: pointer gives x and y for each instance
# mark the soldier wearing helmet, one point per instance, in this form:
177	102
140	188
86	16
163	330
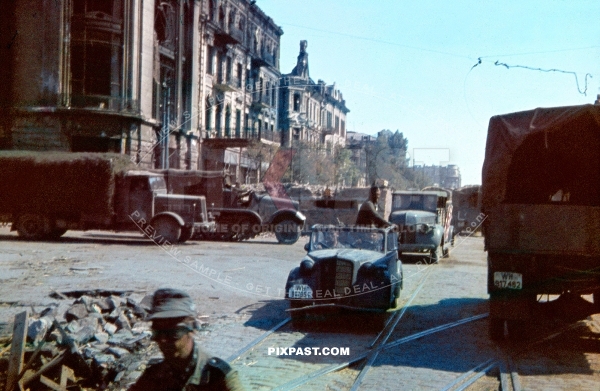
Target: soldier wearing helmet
185	365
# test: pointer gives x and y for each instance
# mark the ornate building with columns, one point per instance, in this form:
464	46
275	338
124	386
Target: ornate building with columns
240	68
187	84
311	112
173	83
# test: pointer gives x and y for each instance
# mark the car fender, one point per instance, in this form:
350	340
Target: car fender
438	234
173	215
234	215
288	214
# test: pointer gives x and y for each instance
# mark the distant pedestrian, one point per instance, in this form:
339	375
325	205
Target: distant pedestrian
185	366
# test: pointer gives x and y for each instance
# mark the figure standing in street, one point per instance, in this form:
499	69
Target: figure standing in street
185	365
368	215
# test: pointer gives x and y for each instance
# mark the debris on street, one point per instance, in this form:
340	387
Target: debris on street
89	340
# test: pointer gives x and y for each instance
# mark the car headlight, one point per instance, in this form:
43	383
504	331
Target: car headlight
306	266
425	228
367	268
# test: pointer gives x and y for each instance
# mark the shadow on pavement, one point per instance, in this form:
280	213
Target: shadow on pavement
457	349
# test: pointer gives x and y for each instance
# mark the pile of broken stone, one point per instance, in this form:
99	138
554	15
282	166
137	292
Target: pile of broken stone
103	338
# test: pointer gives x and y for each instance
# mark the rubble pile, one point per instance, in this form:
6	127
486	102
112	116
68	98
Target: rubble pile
100	336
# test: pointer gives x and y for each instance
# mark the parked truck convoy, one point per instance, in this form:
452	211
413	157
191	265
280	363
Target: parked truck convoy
541	202
44	194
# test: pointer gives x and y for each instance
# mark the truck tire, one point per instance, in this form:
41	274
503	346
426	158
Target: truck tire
56	233
287	231
186	234
33	226
435	255
244	229
445	250
596	298
496	329
166	227
517	330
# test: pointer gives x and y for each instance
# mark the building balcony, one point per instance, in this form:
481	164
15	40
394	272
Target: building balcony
263	59
241	137
226	82
261	100
270	135
227	36
101	103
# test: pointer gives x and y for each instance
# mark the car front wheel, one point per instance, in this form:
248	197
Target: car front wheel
287	231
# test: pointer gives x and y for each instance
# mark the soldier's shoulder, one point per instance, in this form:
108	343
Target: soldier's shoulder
152	377
155	363
217	364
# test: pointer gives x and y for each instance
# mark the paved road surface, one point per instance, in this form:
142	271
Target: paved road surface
239	286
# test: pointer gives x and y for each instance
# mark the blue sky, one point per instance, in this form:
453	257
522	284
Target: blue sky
408	64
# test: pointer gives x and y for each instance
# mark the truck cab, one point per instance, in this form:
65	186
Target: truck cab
423	218
142	198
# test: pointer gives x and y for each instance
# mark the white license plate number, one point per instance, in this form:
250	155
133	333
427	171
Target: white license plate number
300	292
508	280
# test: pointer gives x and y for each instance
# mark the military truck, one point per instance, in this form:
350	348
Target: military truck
423	219
239	215
43	195
541	204
466	210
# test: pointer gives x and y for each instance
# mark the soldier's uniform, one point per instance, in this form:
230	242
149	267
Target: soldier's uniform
203	373
368	216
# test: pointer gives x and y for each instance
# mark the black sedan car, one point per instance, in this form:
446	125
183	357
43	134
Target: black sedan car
353	268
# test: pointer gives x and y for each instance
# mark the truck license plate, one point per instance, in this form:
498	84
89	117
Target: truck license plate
508	280
300	291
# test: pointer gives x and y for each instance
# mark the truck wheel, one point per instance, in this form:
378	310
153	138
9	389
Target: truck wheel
246	230
287	232
167	228
32	226
517	330
496	329
435	255
596	298
186	234
56	233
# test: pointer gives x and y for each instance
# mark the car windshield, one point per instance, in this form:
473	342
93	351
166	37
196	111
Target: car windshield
366	240
414	202
157	183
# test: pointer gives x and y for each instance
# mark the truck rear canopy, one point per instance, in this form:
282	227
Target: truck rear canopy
542	156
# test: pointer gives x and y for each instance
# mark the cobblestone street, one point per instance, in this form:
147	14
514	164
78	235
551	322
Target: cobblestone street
238	289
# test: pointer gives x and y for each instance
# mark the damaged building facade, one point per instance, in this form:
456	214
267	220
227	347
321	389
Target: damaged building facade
187	84
238	86
161	81
445	176
311	112
102	76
